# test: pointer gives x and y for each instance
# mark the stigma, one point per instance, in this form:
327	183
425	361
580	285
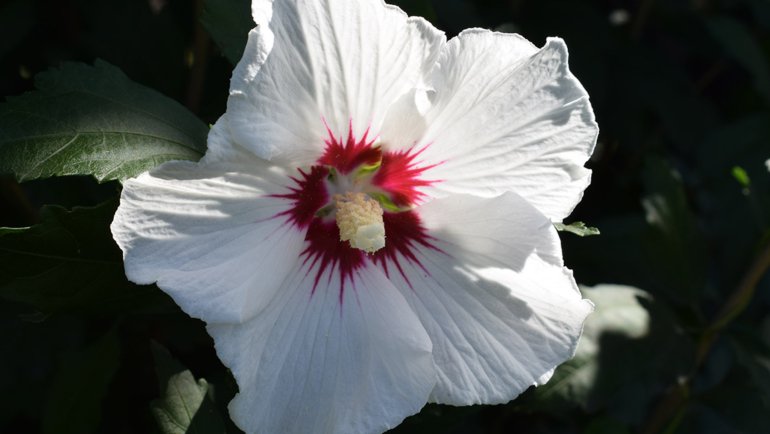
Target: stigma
359	218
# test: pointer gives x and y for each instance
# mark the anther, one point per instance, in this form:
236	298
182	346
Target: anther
359	218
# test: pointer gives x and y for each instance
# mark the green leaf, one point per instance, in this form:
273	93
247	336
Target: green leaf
577	228
93	120
619	312
228	22
184	405
628	354
69	262
75	398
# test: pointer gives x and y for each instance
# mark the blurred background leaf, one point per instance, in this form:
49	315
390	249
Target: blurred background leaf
738	43
629	351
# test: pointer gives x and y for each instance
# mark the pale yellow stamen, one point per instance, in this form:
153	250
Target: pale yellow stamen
359	218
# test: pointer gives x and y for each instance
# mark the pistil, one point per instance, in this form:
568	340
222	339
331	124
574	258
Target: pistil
359	218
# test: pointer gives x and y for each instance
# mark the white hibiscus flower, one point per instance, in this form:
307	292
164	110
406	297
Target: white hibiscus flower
371	227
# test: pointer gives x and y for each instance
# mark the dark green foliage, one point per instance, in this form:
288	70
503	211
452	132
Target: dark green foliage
69	263
228	22
81	382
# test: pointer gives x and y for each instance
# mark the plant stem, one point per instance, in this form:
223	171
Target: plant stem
677	396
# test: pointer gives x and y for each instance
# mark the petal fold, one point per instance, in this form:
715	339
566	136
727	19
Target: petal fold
498	305
313	64
507	116
209	235
321	362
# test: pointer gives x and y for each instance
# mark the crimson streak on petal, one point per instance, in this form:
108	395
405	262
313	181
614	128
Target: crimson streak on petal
353	153
404	231
399	175
325	253
308	196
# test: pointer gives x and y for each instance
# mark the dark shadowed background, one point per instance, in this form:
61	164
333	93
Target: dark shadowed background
680	342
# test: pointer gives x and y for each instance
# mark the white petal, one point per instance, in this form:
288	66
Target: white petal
261	10
405	121
509	117
324	364
498	305
221	147
208	235
313	61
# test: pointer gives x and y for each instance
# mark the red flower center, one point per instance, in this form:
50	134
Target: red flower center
360	165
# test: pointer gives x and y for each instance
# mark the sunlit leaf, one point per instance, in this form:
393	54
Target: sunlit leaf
577	228
184	405
93	120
